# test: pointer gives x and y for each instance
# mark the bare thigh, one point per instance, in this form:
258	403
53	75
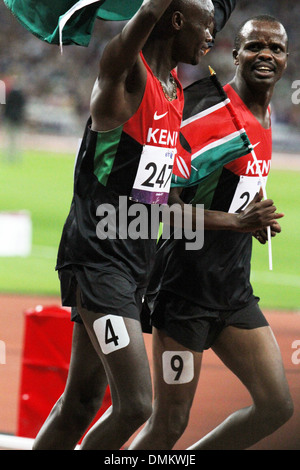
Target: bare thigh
176	372
254	356
86	378
125	360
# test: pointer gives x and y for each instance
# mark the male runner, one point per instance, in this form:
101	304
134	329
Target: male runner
206	299
136	110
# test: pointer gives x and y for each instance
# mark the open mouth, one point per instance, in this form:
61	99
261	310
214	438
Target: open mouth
204	51
264	70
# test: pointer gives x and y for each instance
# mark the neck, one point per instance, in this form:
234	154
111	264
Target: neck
158	55
257	99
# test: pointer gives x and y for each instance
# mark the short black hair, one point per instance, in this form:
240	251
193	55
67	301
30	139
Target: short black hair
265	18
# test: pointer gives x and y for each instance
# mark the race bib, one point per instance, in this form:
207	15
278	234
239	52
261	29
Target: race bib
178	367
111	333
246	189
153	178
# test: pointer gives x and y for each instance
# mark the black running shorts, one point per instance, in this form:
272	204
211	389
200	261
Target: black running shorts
101	292
196	327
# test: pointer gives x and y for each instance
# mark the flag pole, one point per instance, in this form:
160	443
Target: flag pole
236	119
265	197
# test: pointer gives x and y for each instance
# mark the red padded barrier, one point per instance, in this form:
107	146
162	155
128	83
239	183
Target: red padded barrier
45	363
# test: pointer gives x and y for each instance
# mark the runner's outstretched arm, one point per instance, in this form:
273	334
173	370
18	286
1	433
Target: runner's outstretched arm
257	215
121	81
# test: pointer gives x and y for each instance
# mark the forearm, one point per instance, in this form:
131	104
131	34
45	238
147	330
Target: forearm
212	220
121	53
138	29
217	220
155	8
196	217
181	214
246	221
257	215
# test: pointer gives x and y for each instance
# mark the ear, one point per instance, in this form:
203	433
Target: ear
287	58
286	63
177	20
235	56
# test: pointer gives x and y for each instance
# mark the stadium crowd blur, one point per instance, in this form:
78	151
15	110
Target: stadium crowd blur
57	87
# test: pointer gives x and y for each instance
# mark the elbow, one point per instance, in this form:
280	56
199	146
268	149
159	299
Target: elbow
150	14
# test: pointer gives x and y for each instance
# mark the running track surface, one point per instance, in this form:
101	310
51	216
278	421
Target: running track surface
219	391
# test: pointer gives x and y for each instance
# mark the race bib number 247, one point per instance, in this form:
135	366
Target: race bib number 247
153	178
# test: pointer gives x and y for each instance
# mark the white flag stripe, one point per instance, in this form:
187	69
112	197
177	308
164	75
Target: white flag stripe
185	174
65	18
206	112
184	165
219	142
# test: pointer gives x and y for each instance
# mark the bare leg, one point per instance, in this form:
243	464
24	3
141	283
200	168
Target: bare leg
172	401
128	373
82	397
254	356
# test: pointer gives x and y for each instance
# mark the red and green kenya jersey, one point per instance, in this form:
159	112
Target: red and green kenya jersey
218	275
245	167
136	159
233	186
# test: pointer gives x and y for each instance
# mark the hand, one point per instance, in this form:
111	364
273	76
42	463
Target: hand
259	215
262	235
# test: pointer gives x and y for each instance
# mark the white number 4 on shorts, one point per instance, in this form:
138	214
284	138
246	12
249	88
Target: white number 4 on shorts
178	367
111	333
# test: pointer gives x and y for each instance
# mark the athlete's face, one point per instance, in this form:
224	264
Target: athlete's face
195	33
262	56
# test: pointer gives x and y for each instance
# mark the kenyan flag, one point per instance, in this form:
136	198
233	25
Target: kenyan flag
43	17
211	135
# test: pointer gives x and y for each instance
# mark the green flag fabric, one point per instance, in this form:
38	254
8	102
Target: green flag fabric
42	17
118	10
